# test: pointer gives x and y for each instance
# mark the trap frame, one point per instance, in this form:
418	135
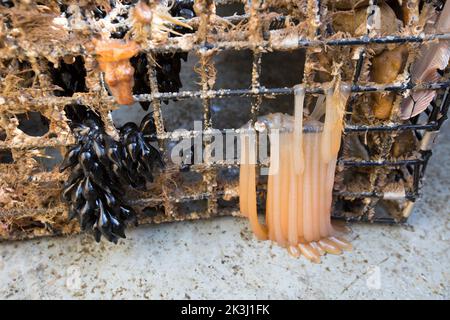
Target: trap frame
29	199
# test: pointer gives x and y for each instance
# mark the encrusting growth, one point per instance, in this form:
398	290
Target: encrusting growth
113	56
143	30
425	69
385	69
301	176
153	20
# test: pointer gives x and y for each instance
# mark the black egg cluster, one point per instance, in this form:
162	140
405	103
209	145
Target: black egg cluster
138	155
102	168
168	71
168	65
184	9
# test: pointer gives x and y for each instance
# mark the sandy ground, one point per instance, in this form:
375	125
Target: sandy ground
221	259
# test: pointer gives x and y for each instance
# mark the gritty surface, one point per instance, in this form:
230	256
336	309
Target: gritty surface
221	259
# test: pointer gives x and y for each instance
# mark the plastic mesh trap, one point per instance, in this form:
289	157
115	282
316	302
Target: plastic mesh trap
377	183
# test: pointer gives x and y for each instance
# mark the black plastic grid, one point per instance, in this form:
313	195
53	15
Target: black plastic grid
258	92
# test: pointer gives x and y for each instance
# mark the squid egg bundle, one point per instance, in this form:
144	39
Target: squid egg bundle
301	176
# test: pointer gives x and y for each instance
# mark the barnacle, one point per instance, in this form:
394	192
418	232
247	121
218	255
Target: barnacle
301	177
153	20
113	56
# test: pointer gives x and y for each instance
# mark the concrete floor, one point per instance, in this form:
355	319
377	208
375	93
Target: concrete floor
221	259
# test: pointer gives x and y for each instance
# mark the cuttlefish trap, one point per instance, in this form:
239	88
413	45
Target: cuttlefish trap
68	66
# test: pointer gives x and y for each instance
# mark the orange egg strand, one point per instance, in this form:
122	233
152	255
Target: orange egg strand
301	178
113	56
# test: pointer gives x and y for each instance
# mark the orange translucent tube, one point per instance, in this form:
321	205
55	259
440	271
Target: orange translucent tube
292	203
248	184
243	177
301	178
277	201
307	188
